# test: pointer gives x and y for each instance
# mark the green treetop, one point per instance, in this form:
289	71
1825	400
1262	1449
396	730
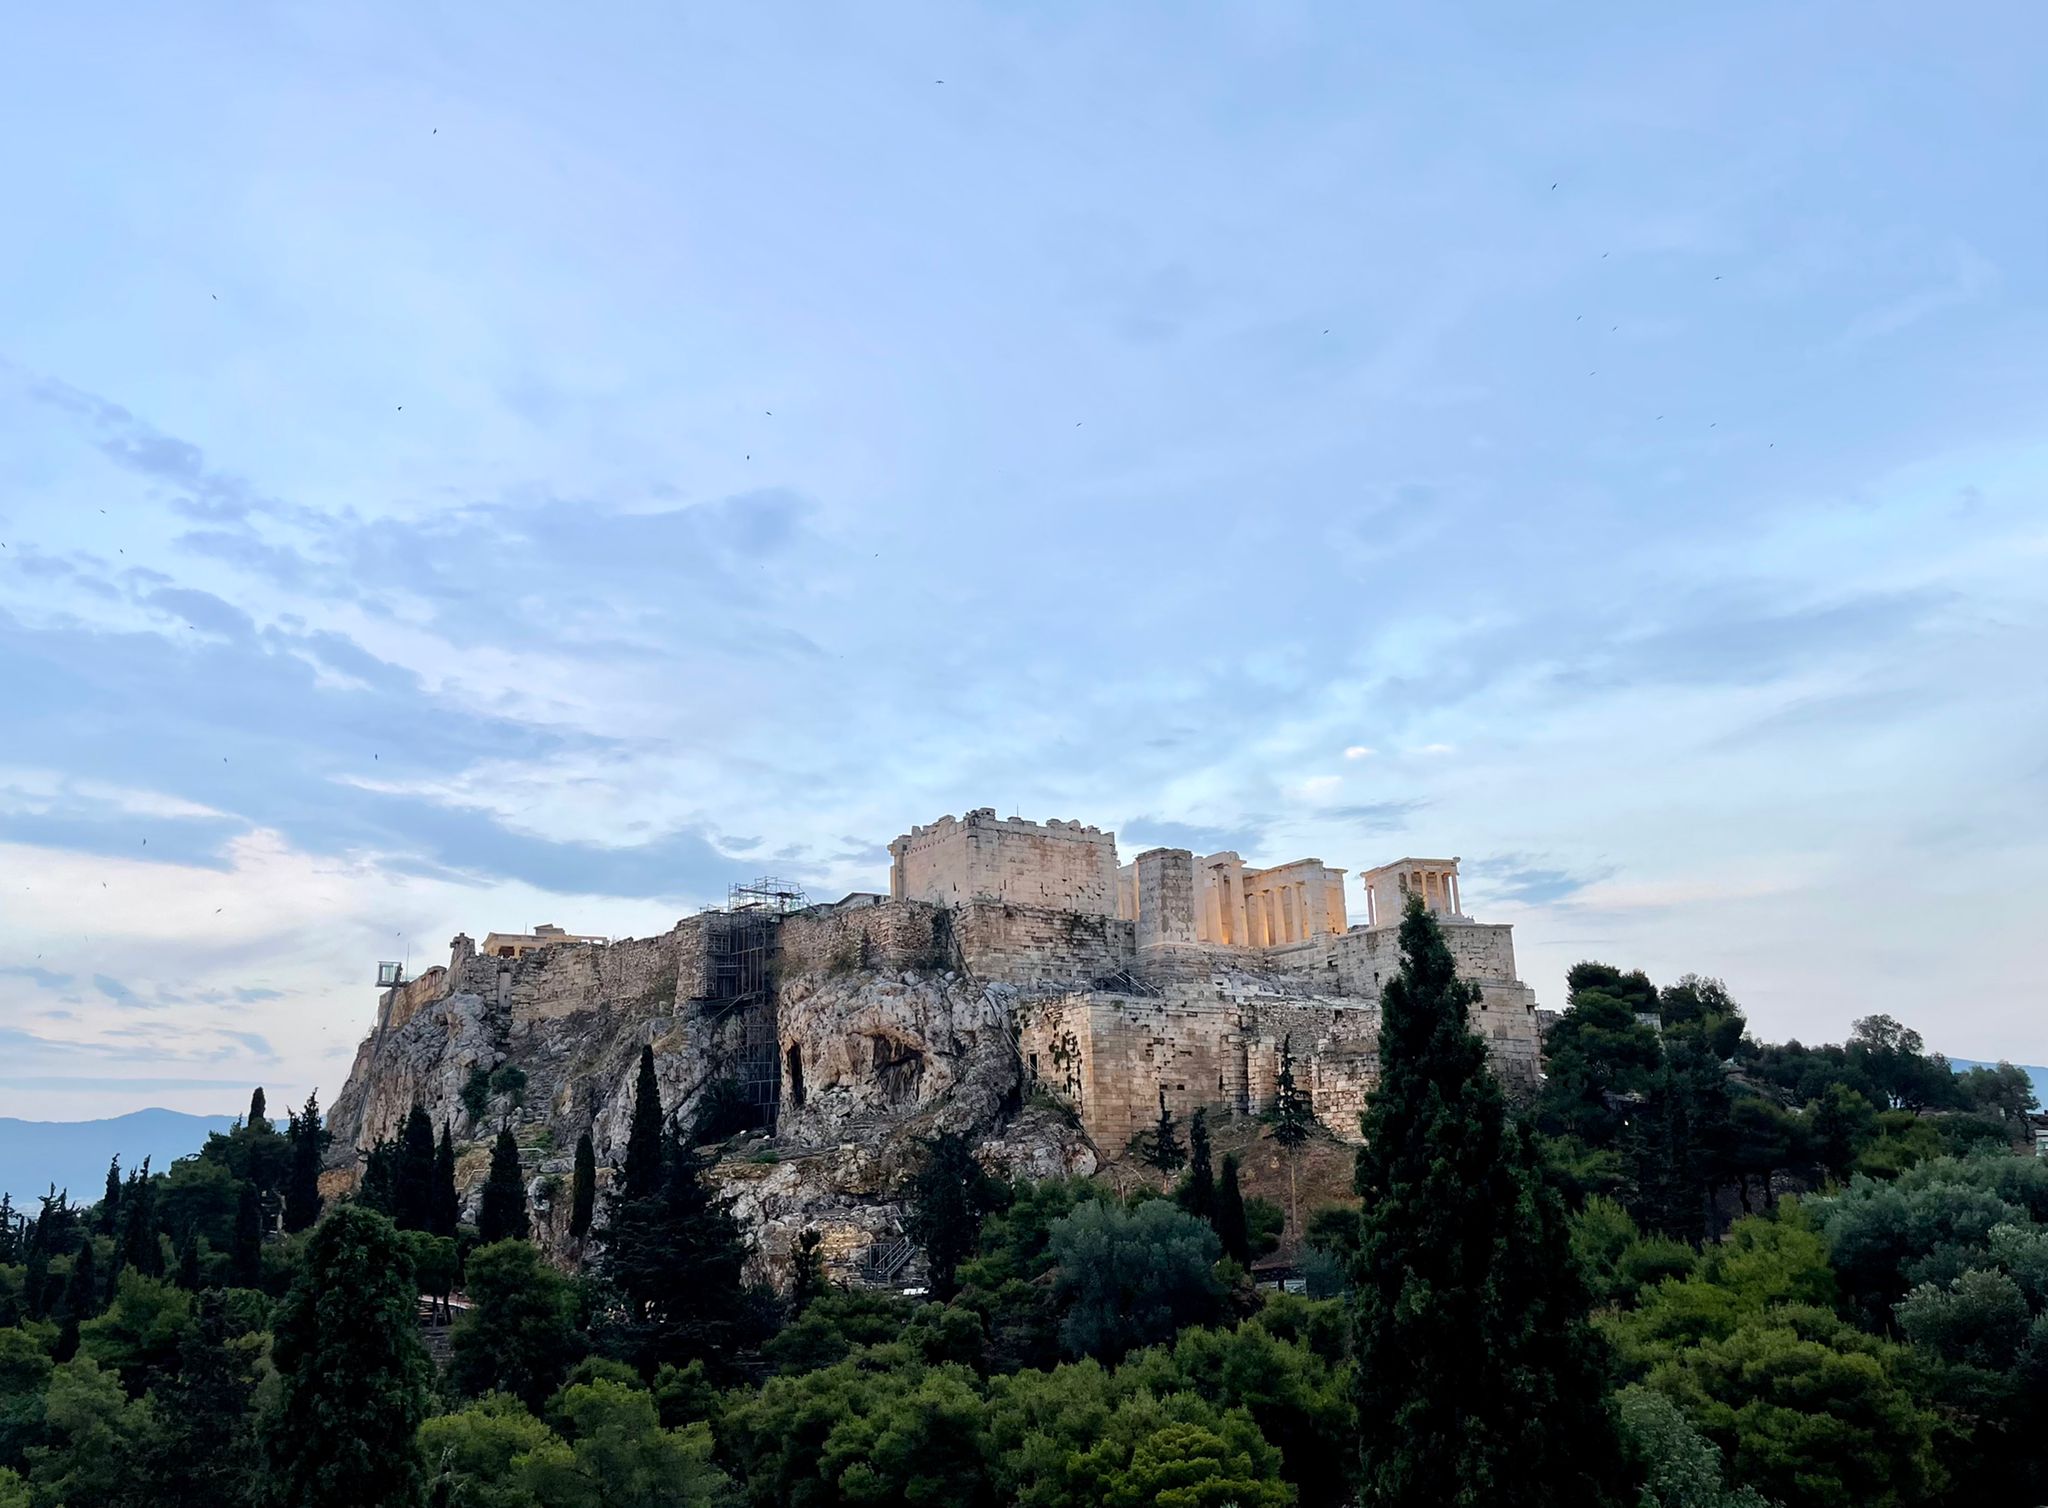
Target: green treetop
1478	1380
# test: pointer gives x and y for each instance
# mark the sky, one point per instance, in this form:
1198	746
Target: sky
463	468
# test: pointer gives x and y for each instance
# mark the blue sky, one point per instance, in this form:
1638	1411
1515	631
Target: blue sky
460	473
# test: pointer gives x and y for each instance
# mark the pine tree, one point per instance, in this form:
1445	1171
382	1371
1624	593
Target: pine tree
949	1196
188	1262
447	1207
583	1188
1197	1193
354	1380
245	1255
110	1203
258	1121
412	1191
82	1288
641	1174
676	1256
1232	1229
519	1335
1478	1380
302	1198
501	1211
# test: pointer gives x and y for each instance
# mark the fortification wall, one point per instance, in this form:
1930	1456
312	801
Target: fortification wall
550	983
1335	1047
651	973
984	857
1111	1056
401	1003
1506	1019
1041	947
1367	957
891	935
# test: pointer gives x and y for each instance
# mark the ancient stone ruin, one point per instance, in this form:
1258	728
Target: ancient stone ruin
1016	984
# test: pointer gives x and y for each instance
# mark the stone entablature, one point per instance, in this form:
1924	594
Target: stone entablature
982	857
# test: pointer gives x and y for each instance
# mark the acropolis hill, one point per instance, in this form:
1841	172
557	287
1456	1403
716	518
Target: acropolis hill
1017	983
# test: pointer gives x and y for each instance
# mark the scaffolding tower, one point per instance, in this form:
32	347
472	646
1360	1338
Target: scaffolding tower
739	980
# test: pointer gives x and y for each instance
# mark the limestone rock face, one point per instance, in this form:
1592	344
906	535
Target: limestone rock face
871	1060
426	1061
868	1050
850	1192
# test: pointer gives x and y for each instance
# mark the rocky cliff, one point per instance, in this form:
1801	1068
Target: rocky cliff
865	1035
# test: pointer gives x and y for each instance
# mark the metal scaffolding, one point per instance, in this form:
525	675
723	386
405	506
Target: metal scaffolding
739	979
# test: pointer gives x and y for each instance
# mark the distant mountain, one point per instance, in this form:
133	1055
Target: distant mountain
2038	1075
74	1154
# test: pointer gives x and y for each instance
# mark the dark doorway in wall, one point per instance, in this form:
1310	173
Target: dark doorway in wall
795	1077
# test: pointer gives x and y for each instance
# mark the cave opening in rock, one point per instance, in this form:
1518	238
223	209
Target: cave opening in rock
795	1076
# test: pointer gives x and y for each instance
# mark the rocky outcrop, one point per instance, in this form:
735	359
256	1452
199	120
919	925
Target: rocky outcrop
870	1060
863	1050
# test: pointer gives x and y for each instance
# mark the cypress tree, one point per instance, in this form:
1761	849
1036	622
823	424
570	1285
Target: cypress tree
258	1121
1232	1229
1160	1147
676	1257
501	1212
583	1188
35	1282
302	1189
641	1174
379	1188
203	1452
1198	1192
140	1248
950	1195
1293	1116
245	1255
110	1203
807	1279
447	1203
412	1191
1293	1120
82	1289
354	1380
1478	1380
